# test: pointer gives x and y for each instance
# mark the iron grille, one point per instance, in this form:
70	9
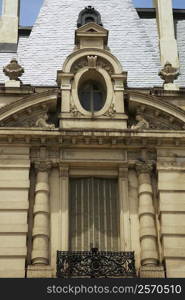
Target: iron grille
95	264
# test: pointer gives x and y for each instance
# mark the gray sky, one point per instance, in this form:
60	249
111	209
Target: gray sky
30	8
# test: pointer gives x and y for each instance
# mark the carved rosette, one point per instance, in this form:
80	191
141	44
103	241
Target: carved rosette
13	70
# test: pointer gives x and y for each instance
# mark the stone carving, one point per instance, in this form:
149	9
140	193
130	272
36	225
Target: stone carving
169	73
89	14
142	167
79	64
13	70
42	122
92	62
111	111
104	64
141	123
74	110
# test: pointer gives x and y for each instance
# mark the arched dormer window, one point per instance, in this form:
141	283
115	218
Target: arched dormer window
87	15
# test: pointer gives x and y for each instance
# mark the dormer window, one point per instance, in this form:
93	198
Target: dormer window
87	15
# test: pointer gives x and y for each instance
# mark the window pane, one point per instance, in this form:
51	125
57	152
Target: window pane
94	217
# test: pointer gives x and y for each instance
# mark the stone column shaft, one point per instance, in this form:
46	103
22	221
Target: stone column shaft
40	251
148	234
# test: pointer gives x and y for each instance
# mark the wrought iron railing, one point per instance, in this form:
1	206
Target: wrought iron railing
95	264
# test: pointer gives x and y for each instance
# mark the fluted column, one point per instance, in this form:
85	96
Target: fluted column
40	250
148	234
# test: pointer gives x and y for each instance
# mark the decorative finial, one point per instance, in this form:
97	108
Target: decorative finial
87	15
13	70
169	73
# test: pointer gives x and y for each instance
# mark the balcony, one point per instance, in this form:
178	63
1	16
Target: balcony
95	264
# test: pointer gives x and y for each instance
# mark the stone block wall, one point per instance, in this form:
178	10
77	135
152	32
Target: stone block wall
171	186
14	187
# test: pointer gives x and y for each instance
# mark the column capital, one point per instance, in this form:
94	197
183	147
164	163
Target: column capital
42	166
63	170
144	168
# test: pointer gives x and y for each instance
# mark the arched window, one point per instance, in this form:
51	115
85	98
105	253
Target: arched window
92	96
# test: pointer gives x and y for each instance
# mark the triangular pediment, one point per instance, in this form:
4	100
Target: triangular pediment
92	28
91	31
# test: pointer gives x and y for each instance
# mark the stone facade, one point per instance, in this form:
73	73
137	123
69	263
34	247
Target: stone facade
87	159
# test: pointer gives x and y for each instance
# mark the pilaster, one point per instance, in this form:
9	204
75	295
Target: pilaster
167	41
64	207
9	26
124	209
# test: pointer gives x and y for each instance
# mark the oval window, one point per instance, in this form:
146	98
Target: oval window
92	95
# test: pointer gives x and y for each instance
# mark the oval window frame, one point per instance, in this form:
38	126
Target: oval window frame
108	86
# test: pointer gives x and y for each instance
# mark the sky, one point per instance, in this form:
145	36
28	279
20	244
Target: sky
30	8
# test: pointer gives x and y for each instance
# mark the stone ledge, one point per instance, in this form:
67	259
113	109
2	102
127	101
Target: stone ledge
152	272
40	271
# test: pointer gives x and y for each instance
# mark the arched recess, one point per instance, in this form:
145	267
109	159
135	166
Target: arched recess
106	55
160	113
27	110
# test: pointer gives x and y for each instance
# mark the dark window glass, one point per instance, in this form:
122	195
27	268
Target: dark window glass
92	96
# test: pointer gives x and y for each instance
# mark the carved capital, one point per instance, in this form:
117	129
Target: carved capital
43	166
64	171
144	168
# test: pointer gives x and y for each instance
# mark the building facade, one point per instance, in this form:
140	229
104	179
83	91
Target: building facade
92	136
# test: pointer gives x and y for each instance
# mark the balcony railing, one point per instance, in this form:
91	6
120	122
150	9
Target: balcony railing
95	264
